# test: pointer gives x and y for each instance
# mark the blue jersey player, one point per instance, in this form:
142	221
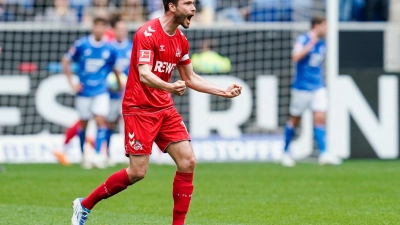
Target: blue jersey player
123	47
96	59
308	90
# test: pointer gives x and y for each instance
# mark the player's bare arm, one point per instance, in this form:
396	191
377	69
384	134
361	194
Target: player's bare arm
150	79
119	82
198	83
302	51
67	71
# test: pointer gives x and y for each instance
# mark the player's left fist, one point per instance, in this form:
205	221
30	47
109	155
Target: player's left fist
233	91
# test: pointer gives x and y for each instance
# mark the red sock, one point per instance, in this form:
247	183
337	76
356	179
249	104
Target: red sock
71	132
116	183
182	194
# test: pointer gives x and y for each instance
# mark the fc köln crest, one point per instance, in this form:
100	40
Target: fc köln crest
178	52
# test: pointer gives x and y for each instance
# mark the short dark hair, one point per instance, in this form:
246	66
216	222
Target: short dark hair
114	19
100	20
166	3
317	20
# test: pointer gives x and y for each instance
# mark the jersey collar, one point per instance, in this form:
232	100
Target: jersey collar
94	43
120	45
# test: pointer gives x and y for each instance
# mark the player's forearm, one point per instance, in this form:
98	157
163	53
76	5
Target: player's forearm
119	82
153	81
66	69
303	53
200	84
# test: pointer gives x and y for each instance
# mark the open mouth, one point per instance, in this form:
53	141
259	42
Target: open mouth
189	18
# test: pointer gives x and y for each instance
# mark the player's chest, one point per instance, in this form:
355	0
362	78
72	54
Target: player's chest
95	53
168	51
319	49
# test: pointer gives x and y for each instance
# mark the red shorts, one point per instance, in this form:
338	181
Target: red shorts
162	127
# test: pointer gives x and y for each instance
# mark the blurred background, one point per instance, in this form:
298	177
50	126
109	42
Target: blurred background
244	41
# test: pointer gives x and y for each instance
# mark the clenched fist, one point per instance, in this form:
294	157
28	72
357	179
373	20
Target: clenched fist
178	88
233	91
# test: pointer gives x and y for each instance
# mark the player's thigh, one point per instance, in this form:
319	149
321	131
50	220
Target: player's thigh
319	102
172	129
115	110
183	155
140	132
300	100
82	106
101	105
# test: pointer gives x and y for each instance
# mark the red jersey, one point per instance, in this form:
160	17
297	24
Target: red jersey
153	46
109	35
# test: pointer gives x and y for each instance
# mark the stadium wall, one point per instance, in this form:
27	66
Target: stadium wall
36	107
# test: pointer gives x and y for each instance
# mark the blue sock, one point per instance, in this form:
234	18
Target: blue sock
289	134
320	137
100	138
108	139
82	138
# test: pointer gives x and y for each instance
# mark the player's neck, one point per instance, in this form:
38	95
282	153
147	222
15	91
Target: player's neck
168	24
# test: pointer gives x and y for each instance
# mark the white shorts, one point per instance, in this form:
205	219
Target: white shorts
301	100
115	110
98	105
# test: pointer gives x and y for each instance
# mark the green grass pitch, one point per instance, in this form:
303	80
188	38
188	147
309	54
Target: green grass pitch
358	192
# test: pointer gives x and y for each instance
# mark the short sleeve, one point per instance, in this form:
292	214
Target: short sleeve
145	53
299	44
74	51
185	60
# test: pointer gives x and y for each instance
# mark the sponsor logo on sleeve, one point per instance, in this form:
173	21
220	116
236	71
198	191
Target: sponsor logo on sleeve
145	56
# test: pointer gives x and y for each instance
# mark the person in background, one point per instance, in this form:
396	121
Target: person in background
235	11
132	11
208	61
308	91
99	8
376	10
60	12
350	10
96	59
123	47
17	10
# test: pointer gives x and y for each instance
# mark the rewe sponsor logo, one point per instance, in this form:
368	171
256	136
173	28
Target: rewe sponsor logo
164	67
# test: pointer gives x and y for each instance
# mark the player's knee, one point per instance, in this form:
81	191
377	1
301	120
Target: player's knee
294	121
187	164
136	175
319	118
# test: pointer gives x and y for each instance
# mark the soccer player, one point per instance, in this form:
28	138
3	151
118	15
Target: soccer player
308	90
96	59
70	133
123	48
149	112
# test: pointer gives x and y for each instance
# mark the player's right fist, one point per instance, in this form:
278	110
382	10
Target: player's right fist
178	88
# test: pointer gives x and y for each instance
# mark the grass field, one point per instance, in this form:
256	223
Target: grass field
358	192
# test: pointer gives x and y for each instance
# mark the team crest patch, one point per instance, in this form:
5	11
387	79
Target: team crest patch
87	52
145	56
105	54
178	52
138	146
